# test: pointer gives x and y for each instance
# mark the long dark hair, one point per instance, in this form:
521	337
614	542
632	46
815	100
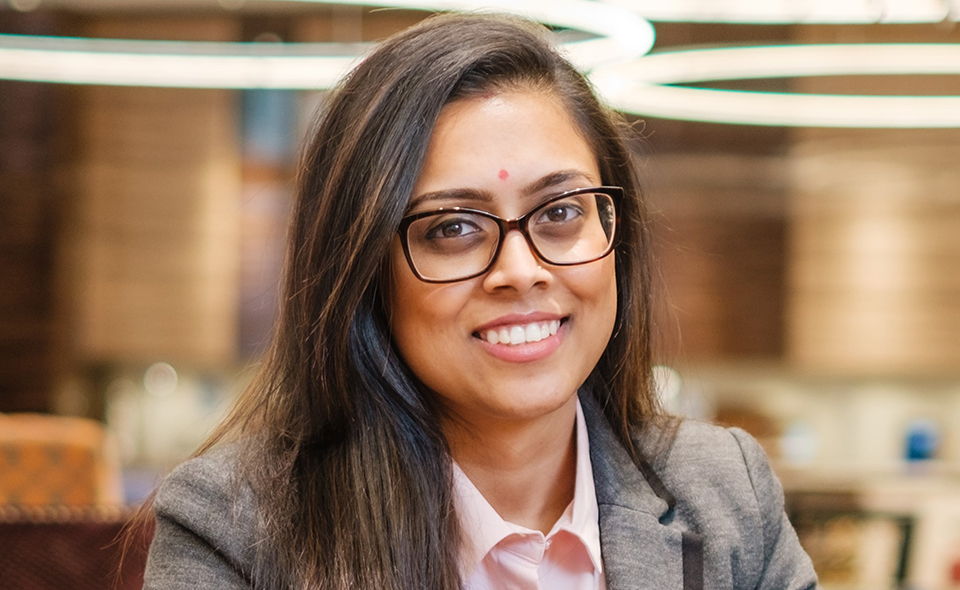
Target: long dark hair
341	443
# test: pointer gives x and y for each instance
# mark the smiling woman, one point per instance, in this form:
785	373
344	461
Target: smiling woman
442	331
459	393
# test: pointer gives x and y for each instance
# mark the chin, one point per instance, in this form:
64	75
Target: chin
527	404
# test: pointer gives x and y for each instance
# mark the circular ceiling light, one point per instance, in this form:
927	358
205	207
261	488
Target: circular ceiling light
645	86
622	34
632	82
796	11
179	64
619	35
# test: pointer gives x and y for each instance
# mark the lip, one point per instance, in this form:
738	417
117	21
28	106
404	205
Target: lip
529	351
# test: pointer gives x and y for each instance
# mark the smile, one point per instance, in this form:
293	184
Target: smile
521	333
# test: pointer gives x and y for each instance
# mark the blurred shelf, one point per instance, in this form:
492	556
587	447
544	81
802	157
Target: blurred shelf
884	526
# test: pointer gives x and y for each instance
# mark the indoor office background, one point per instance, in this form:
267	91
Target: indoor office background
810	281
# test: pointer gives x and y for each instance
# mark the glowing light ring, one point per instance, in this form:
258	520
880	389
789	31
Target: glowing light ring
790	110
785	61
641	86
624	34
621	35
795	11
178	64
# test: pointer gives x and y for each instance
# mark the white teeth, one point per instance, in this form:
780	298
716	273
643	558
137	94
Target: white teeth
533	332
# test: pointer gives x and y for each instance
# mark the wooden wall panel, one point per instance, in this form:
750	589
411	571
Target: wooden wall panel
31	160
875	279
153	250
719	239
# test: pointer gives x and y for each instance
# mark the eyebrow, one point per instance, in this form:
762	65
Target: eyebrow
463	194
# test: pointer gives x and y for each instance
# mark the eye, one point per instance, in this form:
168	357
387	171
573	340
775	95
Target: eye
560	213
452	228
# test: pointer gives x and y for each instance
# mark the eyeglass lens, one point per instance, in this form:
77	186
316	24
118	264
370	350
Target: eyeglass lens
458	244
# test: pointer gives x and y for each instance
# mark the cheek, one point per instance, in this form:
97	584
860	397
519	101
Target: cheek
423	316
607	298
598	294
401	303
596	286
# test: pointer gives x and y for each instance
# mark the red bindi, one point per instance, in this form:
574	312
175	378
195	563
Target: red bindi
504	174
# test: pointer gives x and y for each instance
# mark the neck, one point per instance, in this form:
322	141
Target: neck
526	469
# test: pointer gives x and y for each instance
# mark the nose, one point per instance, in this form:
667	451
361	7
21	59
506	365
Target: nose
516	267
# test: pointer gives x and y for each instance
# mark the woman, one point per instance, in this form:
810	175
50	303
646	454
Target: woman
459	393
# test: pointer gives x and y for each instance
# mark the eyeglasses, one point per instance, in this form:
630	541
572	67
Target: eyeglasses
457	243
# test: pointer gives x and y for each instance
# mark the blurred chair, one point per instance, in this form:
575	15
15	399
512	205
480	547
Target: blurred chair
56	461
61	507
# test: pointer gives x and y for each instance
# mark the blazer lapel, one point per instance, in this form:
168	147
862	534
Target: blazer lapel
639	551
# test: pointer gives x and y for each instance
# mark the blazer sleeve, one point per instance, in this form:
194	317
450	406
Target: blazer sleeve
203	531
786	565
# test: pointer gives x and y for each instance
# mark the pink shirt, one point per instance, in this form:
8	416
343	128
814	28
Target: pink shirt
500	555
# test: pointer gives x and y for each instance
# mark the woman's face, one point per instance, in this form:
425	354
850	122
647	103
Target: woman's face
504	154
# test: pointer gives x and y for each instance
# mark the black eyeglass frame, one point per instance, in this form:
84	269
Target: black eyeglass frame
520	224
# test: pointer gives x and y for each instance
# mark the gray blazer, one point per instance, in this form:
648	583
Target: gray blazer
708	513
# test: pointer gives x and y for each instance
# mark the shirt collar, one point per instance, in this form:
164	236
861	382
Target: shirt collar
483	528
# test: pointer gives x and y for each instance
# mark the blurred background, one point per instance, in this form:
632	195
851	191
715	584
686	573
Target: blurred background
810	274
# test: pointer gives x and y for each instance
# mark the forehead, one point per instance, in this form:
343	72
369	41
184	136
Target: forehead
502	142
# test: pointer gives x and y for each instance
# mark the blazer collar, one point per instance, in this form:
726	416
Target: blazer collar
639	550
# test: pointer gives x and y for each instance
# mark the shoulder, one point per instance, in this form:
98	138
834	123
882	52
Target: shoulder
722	475
208	494
206	521
713	455
208	478
726	490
